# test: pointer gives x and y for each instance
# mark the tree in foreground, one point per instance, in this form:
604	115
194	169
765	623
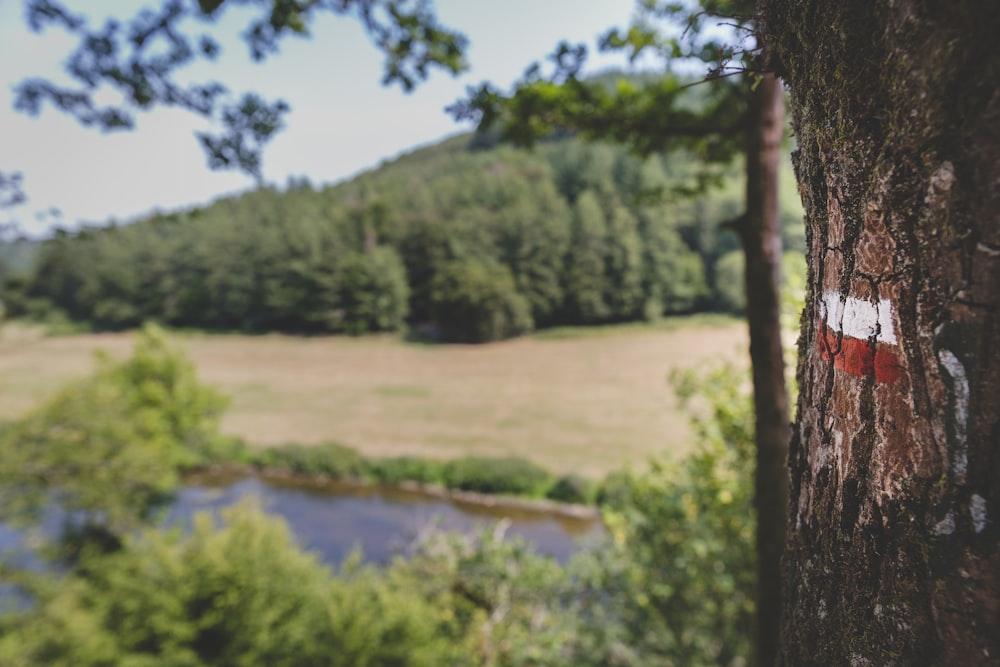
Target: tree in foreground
893	555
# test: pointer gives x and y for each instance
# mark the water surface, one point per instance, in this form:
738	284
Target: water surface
332	519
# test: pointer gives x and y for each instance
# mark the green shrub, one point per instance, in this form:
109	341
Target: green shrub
511	475
613	489
680	566
54	320
501	599
110	447
229	449
236	595
329	459
398	469
571	488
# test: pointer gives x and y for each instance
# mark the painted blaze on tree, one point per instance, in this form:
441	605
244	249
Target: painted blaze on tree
894	551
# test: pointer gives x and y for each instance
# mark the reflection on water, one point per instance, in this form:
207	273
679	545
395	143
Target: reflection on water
333	518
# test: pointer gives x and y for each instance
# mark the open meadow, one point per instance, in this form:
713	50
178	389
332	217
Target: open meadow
586	401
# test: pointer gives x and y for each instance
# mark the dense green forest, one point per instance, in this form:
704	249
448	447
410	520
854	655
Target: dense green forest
466	240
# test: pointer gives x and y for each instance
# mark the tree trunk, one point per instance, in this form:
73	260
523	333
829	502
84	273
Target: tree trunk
760	234
893	554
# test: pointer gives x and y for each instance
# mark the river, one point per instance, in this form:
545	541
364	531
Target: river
332	519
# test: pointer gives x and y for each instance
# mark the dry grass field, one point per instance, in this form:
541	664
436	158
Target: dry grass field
581	402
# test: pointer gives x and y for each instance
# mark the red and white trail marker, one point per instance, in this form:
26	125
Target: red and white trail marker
859	337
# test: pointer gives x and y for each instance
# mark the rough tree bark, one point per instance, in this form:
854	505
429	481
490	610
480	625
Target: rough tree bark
893	553
760	236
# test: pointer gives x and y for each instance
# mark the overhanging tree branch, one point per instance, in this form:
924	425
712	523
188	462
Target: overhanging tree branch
11	192
139	58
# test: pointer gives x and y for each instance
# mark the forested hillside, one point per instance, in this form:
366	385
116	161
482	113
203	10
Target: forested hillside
463	240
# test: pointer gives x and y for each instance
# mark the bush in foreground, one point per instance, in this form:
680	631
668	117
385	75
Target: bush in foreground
239	594
110	447
680	566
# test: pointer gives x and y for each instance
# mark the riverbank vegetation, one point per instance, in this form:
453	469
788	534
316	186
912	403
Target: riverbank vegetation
671	584
512	476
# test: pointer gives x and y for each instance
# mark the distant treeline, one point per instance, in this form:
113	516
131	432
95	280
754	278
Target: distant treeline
463	241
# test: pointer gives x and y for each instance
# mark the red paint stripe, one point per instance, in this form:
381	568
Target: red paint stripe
856	356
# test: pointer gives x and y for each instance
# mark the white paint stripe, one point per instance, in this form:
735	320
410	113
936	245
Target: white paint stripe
945	526
960	392
858	318
977	508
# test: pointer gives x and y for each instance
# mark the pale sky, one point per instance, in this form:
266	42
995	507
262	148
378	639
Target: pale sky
342	120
